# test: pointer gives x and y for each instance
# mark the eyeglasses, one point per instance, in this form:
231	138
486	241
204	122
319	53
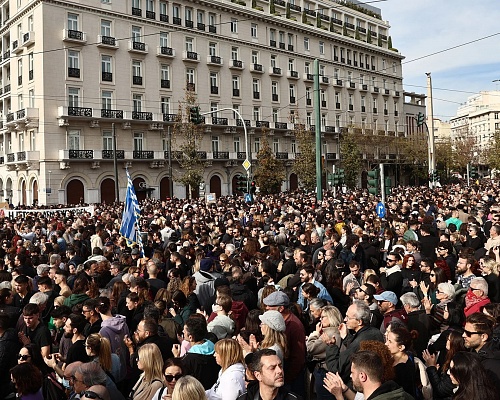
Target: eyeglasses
361	290
73	378
23	357
347	318
432	275
471	288
91	395
469	333
170	377
391	260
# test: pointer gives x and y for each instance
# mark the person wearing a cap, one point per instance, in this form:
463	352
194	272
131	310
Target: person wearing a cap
273	327
387	302
296	340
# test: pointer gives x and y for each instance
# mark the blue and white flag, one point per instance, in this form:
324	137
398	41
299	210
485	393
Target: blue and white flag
129	228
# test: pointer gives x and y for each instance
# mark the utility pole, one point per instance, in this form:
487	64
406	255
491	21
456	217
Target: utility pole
430	116
317	121
382	182
115	166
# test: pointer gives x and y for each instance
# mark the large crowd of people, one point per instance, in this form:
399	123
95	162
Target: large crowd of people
286	297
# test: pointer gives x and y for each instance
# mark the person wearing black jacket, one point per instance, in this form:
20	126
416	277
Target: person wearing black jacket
391	277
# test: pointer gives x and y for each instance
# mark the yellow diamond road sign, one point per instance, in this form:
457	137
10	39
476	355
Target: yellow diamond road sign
247	164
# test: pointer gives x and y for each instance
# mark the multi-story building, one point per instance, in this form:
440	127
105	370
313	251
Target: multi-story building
72	70
477	119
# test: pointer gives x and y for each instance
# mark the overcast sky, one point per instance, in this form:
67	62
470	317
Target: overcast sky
419	28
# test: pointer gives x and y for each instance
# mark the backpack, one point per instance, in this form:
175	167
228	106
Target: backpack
52	389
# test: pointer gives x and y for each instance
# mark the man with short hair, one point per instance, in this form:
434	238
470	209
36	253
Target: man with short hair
307	276
73	329
357	320
155	284
494	239
391	277
367	370
267	368
92	316
35	331
60	344
23	294
91	374
387	302
61	280
478	337
464	271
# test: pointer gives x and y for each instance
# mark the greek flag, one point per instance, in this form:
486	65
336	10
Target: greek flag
129	228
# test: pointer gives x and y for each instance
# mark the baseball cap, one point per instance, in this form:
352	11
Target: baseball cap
387	296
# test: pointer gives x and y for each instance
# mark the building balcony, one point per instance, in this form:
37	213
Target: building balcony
274	97
107	76
387	92
215	60
262	124
363	87
6	57
280	125
212	28
214	90
375	89
190	87
165	83
112	114
188	23
330	129
70	35
143	155
107	42
337	21
6	89
280	3
290	47
308	102
136	12
28	38
281	155
236	64
22	160
247	122
256	68
312	13
137	47
272	43
324	80
337	82
170	117
292	99
308	77
295	7
219	155
256	95
200	26
191	56
396	93
324	17
282	45
150	14
236	92
331	156
275	71
352	85
16	47
292	74
349	25
177	21
163	17
22	119
137	80
142	115
110	154
168	52
219	121
73	72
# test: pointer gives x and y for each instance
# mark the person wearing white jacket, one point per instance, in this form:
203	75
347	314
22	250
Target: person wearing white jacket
231	381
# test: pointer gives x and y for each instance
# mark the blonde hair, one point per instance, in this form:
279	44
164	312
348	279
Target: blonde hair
273	337
152	362
492	265
367	273
334	316
230	353
188	388
101	348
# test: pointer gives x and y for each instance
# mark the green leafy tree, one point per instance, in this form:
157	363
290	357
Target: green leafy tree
270	172
350	159
305	163
413	152
493	153
463	152
186	142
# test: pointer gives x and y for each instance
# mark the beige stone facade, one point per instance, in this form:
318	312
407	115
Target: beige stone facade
71	69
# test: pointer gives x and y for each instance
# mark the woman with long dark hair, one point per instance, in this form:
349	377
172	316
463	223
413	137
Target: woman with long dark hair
467	372
27	380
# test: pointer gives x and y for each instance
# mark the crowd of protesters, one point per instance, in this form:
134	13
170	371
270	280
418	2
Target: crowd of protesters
286	297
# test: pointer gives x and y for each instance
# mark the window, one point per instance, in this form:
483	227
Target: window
337	121
190	75
276	145
362	79
74	139
292	91
176	11
32	140
394	69
107	140
323	97
349	76
290	40
106	100
138	141
363	102
188	12
308	94
150	5
215	144
256	143
105	27
309	118
189	43
236	82
293	146
306	44
73	97
255	57
31	98
383	64
137	102
163	8
212	49
20	71
291	64
323	121
321	70
236	144
234	53
274	88
234	25
336	74
321	47
165	72
136	33
136	68
19	32
213	80
337	99
275	115
136	3
256	86
165	105
281	37
272	35
20	102
307	68
253	30
106	67
72	22
30	23
163	39
212	19
273	61
200	17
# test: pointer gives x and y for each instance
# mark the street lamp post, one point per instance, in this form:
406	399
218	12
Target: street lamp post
50	189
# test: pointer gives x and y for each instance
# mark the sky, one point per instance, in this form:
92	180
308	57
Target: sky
423	27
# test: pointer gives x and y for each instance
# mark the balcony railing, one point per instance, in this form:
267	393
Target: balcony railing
76	35
141	46
81	154
163	17
272	43
237	64
200	26
214	90
21	156
192	55
137	12
110	41
74	72
142	115
215	60
236	92
107	76
312	13
80	111
150	14
143	154
109	154
11	157
188	23
105	113
176	21
281	156
246	121
165	83
191	87
219	121
221	155
241	155
137	80
21	114
170	117
280	125
212	28
262	124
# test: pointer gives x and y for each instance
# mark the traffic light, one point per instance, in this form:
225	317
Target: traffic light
473	172
194	115
253	187
420	119
373	178
388	186
434	176
341	175
241	183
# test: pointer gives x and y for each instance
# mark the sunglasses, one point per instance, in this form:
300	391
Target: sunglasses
432	275
170	377
91	395
361	290
469	333
391	260
23	357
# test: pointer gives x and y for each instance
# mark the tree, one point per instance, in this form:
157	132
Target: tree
350	159
493	153
413	152
186	139
305	163
270	172
463	152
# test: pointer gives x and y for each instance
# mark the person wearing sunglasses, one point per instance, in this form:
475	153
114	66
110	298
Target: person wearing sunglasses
477	296
172	369
96	392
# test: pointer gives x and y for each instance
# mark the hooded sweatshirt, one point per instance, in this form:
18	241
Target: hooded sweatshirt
200	363
115	329
230	385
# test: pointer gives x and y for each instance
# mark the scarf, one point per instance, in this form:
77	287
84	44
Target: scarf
471	299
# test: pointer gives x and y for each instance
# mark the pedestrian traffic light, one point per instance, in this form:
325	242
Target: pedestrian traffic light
473	172
194	115
388	186
241	183
420	119
253	187
373	176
